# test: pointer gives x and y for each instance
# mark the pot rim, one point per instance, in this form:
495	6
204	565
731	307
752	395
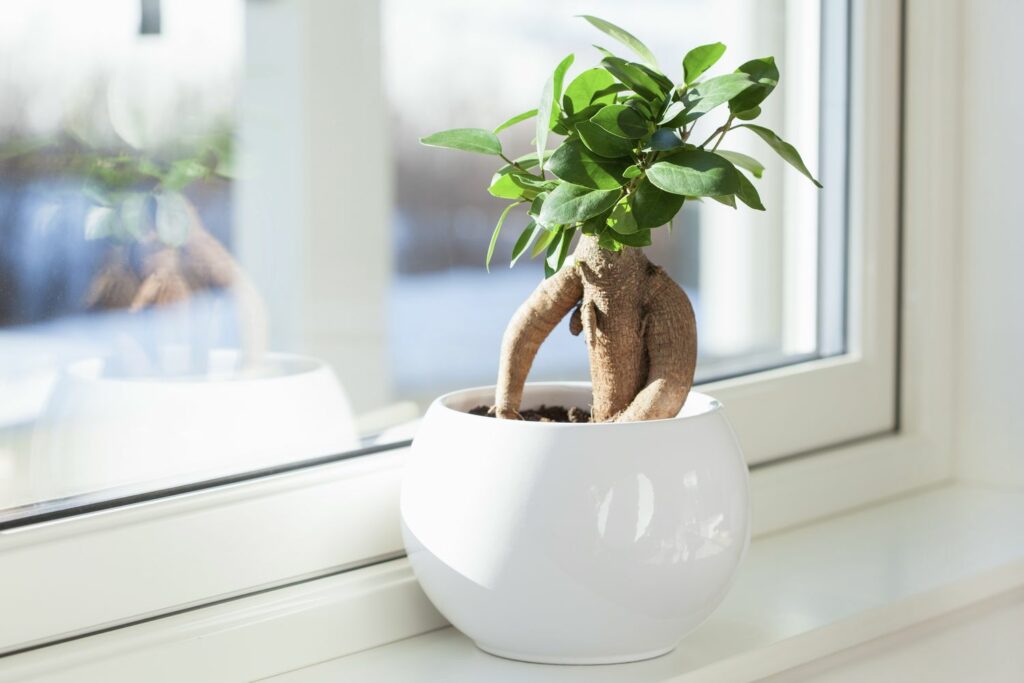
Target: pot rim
708	406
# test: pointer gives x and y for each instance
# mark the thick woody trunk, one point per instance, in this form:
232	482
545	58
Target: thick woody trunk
638	325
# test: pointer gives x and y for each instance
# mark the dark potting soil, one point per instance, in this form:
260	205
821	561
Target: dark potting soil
542	414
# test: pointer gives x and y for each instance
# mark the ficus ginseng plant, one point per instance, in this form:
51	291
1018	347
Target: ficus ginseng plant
625	166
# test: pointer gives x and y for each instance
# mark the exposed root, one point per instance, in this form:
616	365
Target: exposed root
670	337
530	326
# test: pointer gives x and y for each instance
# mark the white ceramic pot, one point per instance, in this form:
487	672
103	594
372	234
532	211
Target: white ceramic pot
574	543
99	431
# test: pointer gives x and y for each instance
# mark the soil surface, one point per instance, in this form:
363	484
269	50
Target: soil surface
542	414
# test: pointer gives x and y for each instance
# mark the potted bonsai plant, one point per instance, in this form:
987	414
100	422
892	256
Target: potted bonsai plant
607	537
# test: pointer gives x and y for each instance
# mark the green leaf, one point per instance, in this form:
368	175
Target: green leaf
727	199
640	238
633	76
743	161
529	234
782	148
494	235
664	139
570	203
696	173
547	110
624	37
574	163
475	140
748	115
621	121
590	87
607	240
503	187
700	59
747	193
602	142
543	241
516	119
713	92
653	207
632	172
595	225
557	256
764	75
622	220
674	116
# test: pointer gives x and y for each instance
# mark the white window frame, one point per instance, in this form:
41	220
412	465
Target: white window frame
122	565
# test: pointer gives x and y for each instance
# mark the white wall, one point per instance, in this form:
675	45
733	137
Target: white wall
991	307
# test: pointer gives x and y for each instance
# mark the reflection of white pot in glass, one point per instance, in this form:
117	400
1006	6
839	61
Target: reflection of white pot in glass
574	543
99	431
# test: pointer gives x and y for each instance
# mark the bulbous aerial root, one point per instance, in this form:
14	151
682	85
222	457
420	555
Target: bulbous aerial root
638	325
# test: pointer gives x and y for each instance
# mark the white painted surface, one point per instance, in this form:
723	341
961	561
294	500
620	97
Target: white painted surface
980	643
574	543
800	596
991	331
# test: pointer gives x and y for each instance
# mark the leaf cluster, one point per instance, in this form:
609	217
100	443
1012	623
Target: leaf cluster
626	163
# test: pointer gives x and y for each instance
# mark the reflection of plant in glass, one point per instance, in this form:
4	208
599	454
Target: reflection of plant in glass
626	166
162	252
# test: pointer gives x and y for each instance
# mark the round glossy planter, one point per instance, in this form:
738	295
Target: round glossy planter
574	543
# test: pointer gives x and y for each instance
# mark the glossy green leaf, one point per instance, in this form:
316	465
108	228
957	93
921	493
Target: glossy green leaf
590	87
674	116
570	203
640	238
635	77
595	225
547	110
745	162
633	171
574	163
606	240
653	207
516	119
622	220
624	37
475	140
727	199
748	115
544	240
621	121
764	76
714	92
603	143
494	235
700	59
782	148
530	233
503	187
747	193
665	139
557	257
696	173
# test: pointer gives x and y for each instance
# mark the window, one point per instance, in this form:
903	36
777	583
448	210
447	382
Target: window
350	243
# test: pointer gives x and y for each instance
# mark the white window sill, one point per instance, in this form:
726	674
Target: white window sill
801	595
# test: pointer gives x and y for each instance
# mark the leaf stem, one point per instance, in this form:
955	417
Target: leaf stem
517	166
720	132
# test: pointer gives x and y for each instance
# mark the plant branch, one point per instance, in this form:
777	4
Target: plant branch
517	166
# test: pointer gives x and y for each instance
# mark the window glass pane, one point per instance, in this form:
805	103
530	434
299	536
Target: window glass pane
199	201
